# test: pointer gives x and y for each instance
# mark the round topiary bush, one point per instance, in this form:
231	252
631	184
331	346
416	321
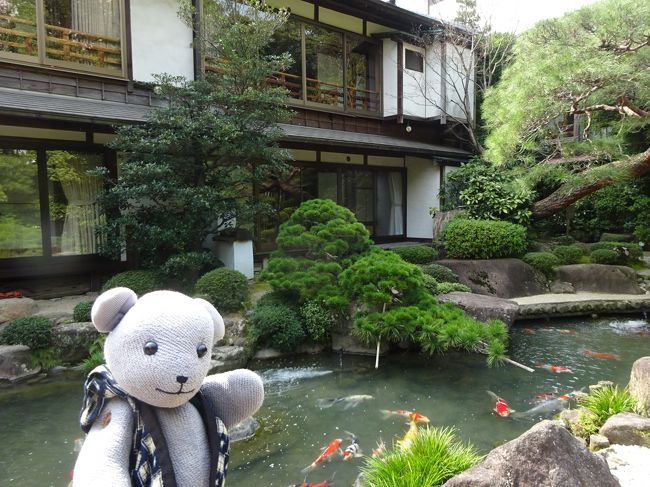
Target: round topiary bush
279	325
140	282
605	256
568	254
33	331
543	262
226	289
417	254
627	252
483	239
440	273
82	311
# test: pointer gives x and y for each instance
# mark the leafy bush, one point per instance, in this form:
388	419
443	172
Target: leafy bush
605	256
317	321
82	311
642	233
95	354
435	456
33	331
568	254
543	262
440	273
187	267
450	287
483	239
140	282
279	325
627	251
603	403
226	289
45	358
416	254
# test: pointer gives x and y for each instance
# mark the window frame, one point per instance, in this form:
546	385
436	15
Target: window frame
41	59
417	54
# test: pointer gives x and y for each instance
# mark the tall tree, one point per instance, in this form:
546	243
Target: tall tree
190	169
578	95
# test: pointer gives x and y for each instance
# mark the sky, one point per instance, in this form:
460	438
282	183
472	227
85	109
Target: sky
505	15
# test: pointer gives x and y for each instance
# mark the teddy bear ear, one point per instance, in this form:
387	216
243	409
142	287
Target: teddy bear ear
110	307
219	327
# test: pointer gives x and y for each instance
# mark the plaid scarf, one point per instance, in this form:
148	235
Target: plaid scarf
150	464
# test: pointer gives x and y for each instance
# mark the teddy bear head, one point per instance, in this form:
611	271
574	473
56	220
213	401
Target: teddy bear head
159	346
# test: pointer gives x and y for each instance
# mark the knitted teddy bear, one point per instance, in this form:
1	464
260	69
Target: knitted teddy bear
152	416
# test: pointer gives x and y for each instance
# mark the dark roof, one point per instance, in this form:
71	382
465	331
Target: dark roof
45	105
340	138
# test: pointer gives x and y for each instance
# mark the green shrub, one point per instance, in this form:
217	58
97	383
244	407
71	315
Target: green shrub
605	256
278	298
642	233
187	267
417	254
440	273
279	325
627	251
95	354
603	403
226	289
543	262
483	239
317	321
45	358
430	283
33	331
450	287
435	456
140	282
82	311
568	254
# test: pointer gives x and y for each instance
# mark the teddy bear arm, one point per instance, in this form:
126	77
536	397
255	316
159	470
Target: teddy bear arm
104	457
236	395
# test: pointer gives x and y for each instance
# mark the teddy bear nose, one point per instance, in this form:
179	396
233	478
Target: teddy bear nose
181	379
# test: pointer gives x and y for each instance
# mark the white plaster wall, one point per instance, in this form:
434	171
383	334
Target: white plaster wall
423	188
415	87
433	60
160	40
459	64
390	77
236	255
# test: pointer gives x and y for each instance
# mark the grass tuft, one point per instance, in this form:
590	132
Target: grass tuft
603	403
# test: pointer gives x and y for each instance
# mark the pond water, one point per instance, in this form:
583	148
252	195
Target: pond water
38	424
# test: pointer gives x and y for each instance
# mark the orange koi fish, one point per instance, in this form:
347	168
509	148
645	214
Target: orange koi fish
501	406
530	331
328	451
605	356
568	331
412	415
325	483
544	396
556	369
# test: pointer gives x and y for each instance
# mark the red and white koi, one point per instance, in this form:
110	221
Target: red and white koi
353	450
333	447
501	406
556	369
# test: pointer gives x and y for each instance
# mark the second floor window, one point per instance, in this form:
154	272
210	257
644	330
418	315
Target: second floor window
80	34
332	68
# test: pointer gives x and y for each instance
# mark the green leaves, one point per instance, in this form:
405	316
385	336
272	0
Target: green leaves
483	239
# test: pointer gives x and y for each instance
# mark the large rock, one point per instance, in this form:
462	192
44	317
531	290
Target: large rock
72	341
547	455
229	358
484	308
629	464
600	278
13	308
344	341
640	383
15	363
627	429
505	278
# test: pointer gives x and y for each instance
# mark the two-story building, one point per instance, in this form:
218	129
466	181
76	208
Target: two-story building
365	132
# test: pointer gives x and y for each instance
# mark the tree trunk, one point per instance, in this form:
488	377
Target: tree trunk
635	167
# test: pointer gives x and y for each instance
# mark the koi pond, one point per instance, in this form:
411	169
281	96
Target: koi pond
308	402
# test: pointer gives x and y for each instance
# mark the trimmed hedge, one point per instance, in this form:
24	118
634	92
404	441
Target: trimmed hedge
605	256
82	311
568	254
449	287
440	273
226	289
279	325
140	282
416	254
33	331
543	262
483	239
628	252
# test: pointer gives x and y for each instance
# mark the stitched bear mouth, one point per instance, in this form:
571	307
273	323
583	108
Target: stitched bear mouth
180	391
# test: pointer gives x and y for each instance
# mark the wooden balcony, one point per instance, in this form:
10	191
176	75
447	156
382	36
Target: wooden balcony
19	36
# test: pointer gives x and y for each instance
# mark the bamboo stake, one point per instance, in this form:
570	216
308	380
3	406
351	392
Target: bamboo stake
517	364
377	356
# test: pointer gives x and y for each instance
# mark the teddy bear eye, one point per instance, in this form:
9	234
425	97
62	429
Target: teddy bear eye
201	350
150	348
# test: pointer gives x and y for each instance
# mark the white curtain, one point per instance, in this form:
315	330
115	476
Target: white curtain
396	226
83	213
100	17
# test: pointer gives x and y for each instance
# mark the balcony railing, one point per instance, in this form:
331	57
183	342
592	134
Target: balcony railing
61	43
